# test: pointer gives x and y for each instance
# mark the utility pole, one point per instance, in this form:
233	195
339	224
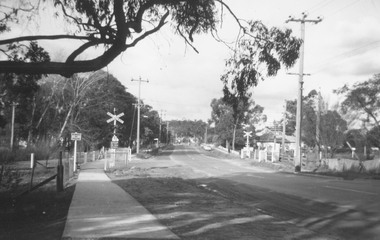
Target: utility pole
318	124
13	123
167	132
283	132
298	153
159	134
205	141
138	114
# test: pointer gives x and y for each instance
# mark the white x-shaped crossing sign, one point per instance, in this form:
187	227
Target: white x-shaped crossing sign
248	134
115	118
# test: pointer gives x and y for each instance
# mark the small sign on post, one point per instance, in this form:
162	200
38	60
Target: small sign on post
114	144
75	137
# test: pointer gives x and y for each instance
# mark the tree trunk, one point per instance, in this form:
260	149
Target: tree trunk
30	131
42	117
233	138
234	134
65	123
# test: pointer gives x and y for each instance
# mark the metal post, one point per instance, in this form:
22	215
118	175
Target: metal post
283	133
60	174
13	124
33	166
75	155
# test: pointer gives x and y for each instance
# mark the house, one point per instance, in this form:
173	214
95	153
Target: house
271	138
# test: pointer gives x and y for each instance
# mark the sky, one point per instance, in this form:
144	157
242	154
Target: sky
342	49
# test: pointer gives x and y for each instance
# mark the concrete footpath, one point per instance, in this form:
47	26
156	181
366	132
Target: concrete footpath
101	209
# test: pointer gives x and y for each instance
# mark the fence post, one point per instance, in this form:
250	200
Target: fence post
60	174
106	164
113	161
129	150
32	166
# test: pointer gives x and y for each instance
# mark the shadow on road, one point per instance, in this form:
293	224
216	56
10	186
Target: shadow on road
215	208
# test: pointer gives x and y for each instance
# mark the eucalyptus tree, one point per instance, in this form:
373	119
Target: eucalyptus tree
362	98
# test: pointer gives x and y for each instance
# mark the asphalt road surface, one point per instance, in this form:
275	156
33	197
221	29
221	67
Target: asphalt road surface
347	209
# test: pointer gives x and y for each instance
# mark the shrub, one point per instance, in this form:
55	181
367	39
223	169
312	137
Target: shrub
42	151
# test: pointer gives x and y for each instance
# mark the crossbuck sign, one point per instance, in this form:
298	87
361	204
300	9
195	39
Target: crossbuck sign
115	118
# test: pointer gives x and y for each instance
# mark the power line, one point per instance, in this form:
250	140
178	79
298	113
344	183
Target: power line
341	9
344	55
319	5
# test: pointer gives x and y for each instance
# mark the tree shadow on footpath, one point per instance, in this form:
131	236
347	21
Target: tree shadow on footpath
213	208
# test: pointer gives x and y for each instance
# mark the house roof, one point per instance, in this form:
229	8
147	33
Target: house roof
267	135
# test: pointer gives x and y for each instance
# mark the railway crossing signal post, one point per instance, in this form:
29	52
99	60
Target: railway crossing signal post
115	118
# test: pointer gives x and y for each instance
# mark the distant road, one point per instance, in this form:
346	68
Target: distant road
349	209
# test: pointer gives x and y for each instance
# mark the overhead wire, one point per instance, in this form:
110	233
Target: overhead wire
320	5
326	63
342	8
351	53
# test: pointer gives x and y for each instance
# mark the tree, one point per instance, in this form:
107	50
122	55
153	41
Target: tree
228	125
362	98
373	137
63	106
189	128
150	124
308	118
114	24
222	117
253	60
105	95
21	89
332	132
257	56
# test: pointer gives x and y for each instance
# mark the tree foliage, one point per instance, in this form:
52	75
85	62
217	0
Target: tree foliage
226	127
333	129
257	56
308	117
114	24
332	126
188	128
60	106
362	97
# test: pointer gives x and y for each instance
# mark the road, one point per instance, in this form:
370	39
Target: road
346	209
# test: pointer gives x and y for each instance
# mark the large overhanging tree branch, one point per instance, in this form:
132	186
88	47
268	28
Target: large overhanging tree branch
115	24
118	25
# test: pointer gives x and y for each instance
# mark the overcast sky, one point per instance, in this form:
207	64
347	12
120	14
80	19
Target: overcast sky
343	48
